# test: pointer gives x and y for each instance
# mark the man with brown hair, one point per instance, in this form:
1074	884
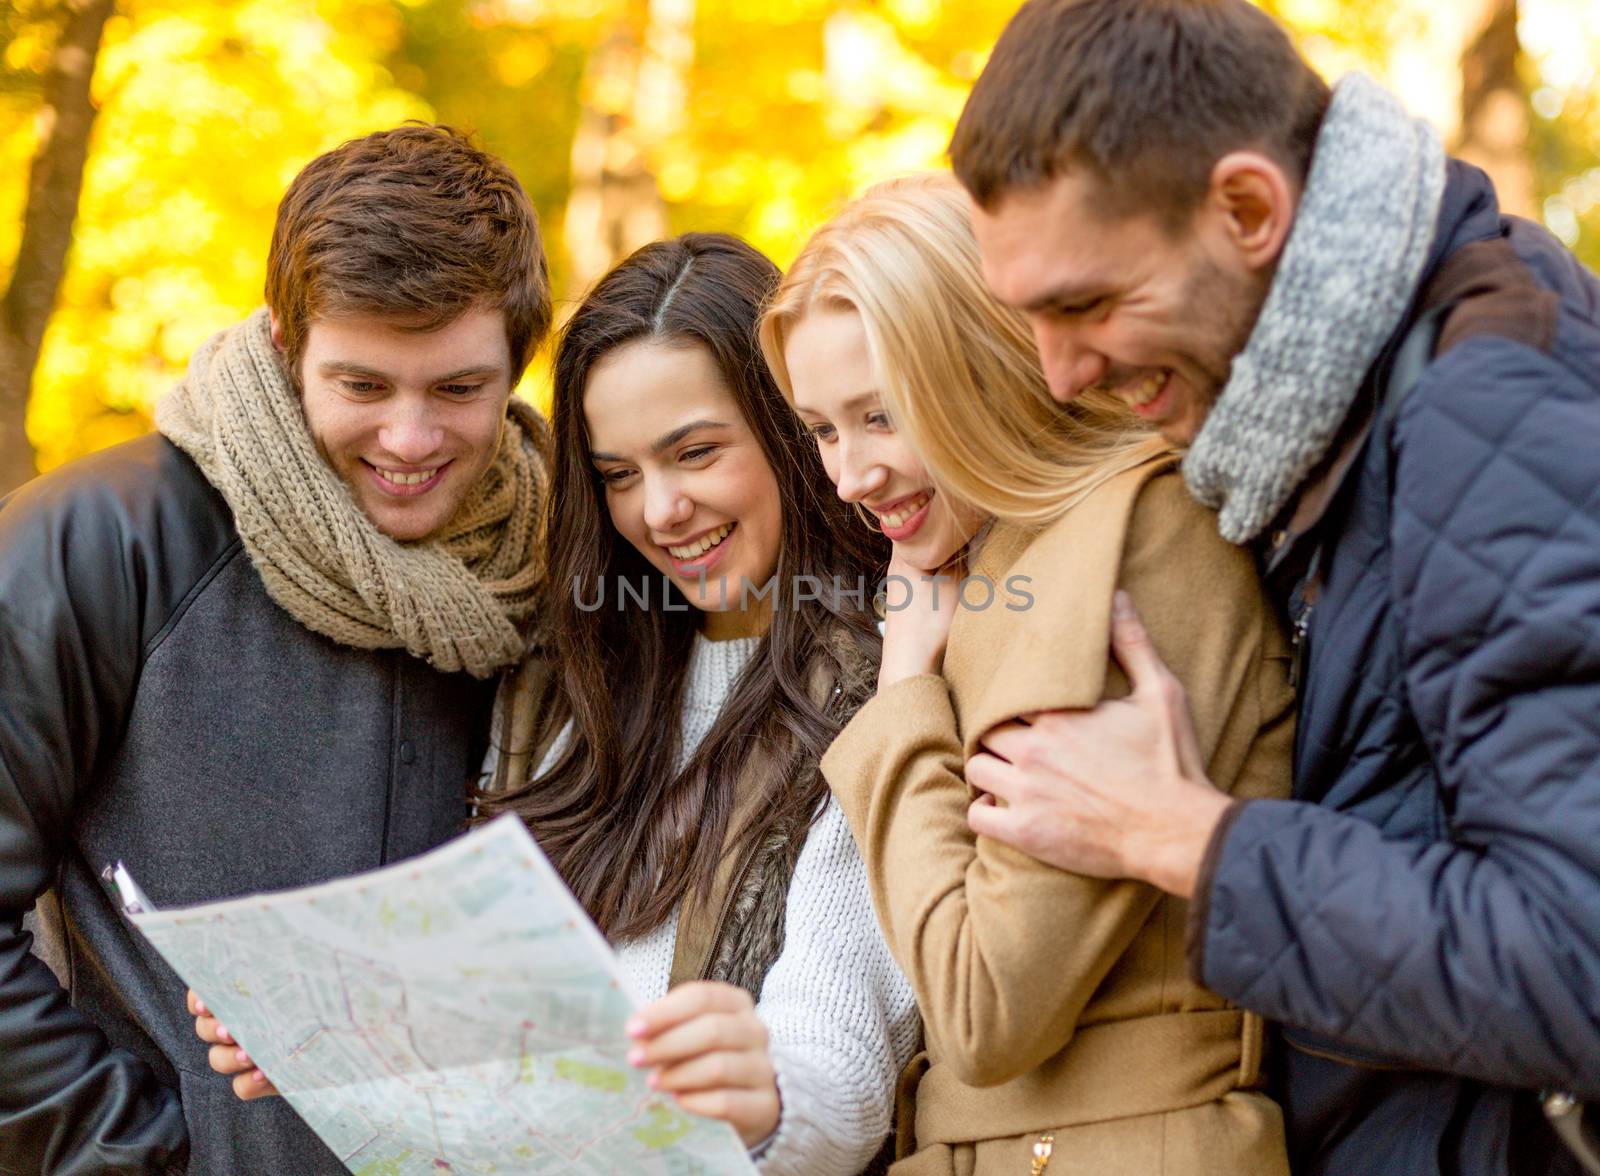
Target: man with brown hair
1394	391
254	651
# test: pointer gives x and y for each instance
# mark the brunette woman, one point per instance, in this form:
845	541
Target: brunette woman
1063	1031
682	799
702	642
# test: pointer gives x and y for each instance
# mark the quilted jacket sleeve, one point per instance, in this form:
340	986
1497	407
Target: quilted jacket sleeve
73	590
1477	954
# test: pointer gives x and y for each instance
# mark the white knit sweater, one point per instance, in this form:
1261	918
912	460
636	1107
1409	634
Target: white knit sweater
840	1015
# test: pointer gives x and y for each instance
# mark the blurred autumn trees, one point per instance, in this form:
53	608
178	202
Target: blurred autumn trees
65	119
625	119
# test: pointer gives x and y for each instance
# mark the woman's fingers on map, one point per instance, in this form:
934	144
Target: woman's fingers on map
253	1085
716	1070
710	1053
197	1007
686	1003
753	1114
704	1034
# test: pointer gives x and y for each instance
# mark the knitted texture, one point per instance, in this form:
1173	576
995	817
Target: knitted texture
456	600
841	1016
1360	241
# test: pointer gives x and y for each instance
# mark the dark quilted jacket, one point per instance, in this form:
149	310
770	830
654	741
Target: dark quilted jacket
1427	930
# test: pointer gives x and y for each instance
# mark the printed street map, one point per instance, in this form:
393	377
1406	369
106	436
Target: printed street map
457	1012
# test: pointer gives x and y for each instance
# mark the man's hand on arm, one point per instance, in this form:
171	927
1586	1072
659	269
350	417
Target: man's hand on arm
1118	791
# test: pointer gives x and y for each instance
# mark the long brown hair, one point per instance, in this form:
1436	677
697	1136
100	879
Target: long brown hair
630	833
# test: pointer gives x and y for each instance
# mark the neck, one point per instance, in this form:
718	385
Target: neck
731	624
1362	233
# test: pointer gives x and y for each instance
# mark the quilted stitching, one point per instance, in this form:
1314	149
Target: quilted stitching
1444	914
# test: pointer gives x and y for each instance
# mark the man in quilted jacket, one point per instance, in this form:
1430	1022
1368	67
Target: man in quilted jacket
1392	391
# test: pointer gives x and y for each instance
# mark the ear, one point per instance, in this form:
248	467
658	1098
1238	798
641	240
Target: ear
277	331
1255	203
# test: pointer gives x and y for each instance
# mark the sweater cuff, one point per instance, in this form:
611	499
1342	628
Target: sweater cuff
791	1142
1200	901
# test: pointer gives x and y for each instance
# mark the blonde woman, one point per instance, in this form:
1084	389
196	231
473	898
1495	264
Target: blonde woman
1063	1031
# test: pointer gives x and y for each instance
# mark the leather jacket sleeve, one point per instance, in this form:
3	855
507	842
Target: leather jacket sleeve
94	560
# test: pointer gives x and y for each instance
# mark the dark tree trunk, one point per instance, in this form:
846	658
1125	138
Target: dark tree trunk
615	204
53	186
1494	106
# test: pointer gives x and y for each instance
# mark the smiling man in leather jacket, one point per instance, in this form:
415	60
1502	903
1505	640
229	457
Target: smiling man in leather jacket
254	651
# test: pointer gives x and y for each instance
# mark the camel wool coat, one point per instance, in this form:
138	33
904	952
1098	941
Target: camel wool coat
1056	1004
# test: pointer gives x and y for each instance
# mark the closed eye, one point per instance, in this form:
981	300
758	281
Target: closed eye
1075	309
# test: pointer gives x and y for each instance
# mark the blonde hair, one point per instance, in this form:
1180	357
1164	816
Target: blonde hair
958	371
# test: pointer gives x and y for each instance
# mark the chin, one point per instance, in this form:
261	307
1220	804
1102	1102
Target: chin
407	526
709	601
926	558
1184	430
408	532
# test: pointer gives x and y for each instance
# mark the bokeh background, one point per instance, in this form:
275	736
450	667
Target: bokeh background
144	143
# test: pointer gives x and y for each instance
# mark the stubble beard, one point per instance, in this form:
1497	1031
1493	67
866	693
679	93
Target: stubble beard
1227	308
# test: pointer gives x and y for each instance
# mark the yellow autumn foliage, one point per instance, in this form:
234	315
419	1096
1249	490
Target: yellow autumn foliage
760	117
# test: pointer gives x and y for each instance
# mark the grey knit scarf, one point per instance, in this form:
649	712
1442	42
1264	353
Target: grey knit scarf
1353	259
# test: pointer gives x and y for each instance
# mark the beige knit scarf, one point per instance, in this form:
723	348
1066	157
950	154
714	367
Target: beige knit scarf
457	599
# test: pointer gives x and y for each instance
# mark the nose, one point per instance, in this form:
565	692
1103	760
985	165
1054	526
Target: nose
1069	365
411	431
860	475
666	506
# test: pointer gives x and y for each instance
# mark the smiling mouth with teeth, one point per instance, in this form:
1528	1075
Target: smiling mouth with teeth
703	544
901	514
1146	392
396	478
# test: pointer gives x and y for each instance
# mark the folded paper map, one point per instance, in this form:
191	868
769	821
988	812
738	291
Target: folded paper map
457	1012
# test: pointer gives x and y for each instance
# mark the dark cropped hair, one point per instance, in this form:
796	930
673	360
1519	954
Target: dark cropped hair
1147	95
631	834
414	224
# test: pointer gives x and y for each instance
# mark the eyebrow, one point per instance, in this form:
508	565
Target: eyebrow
1065	296
665	441
859	401
342	368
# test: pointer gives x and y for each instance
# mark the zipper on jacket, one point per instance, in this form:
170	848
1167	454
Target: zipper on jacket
1297	638
1042	1149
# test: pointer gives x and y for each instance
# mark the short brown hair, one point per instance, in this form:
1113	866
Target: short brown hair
1146	94
414	223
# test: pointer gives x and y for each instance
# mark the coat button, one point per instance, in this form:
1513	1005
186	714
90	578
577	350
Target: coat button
408	754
